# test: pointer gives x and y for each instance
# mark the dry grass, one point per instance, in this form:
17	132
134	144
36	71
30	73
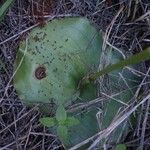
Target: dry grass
126	25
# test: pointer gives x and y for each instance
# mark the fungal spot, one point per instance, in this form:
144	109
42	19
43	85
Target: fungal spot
55	70
40	72
36	38
46	63
33	53
44	35
66	40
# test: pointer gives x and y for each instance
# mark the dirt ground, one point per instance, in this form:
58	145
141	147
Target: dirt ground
126	26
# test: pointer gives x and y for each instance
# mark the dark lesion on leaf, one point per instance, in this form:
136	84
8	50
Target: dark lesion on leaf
40	72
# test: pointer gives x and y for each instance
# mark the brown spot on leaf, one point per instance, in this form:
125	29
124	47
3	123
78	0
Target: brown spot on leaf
40	72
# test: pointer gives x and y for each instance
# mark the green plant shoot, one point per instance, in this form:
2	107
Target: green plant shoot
61	121
142	56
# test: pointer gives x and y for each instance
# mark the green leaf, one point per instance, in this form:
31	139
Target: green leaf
61	114
71	121
120	147
142	56
47	121
87	127
62	133
63	51
4	8
59	54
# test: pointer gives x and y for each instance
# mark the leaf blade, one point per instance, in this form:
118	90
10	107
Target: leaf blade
62	133
61	114
72	121
4	8
47	121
